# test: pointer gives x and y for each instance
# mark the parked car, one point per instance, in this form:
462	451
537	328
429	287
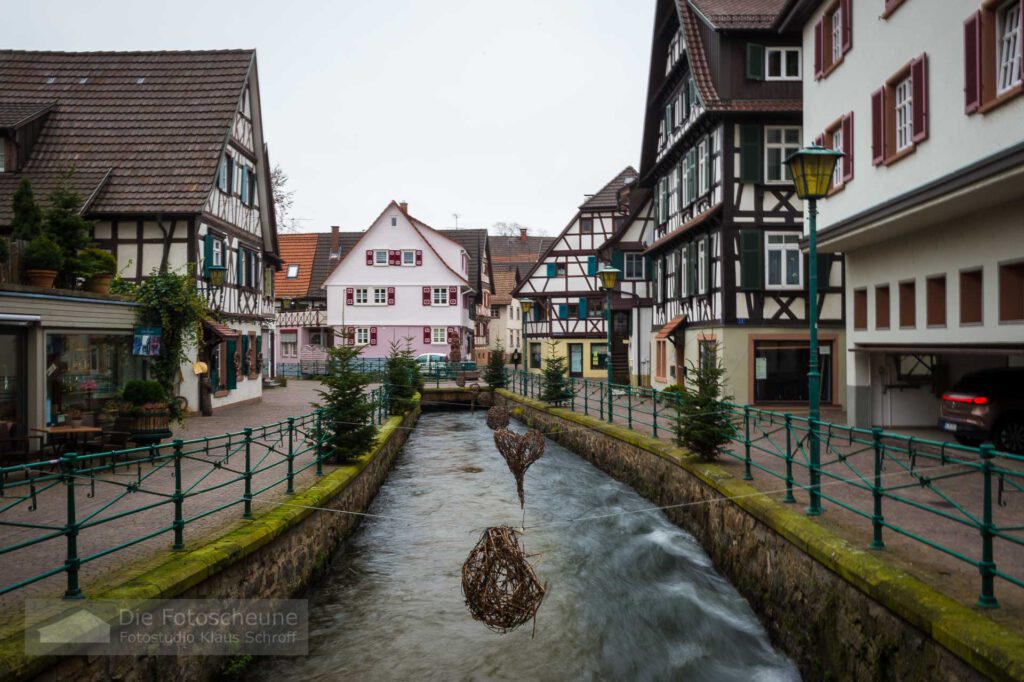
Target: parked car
432	358
986	405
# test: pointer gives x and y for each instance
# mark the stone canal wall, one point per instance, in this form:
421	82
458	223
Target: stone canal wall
838	611
275	555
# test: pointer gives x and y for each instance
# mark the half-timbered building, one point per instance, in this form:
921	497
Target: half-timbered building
167	151
569	304
723	112
511	256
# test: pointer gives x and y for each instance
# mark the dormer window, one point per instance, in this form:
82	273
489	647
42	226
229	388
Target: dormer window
293	271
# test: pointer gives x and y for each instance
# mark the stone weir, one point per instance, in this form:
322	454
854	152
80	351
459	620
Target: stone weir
839	612
273	556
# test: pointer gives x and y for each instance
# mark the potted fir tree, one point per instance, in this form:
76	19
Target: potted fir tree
41	261
100	267
145	411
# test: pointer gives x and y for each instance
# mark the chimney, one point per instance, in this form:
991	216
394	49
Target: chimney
335	242
522	234
404	208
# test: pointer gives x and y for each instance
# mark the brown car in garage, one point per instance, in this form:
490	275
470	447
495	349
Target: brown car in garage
987	405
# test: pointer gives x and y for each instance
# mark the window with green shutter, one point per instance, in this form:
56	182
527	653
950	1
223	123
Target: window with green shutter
245	354
591	265
582	308
691	268
755	62
563	311
259	353
229	364
691	174
207	255
751	153
552	270
617	260
751	260
709	270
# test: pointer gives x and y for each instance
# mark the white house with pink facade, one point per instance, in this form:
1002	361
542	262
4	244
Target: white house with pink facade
401	281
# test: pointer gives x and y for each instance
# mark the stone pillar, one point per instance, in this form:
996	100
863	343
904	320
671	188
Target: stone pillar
858	389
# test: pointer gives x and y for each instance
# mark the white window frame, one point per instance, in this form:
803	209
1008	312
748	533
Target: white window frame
290	348
684	177
837	35
218	252
411	260
670	275
293	271
222	173
785	149
837	145
673	191
380	296
362	296
316	337
362	336
702	267
377	257
789	242
633	258
904	98
1010	31
435	300
703	181
439	333
783	53
683	284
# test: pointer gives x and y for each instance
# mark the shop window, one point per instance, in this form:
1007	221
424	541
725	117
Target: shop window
908	305
780	371
1011	292
936	303
882	306
534	355
970	297
84	372
599	356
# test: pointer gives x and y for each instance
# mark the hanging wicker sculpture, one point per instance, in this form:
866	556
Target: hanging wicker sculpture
499	584
519	453
498	417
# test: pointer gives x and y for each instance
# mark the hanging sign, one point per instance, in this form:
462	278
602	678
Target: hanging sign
147	341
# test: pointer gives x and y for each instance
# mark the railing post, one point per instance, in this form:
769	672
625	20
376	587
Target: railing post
629	406
71	561
291	455
789	499
247	497
876	493
318	447
746	444
600	394
586	397
654	411
179	519
611	401
987	598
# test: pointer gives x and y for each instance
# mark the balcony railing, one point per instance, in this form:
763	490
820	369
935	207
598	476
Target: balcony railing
302	318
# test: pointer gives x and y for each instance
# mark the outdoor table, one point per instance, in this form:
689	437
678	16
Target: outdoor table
72	434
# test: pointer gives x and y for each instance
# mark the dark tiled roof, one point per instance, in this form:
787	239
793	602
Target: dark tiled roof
158	119
13	114
509	252
474	241
504	283
322	263
608	196
736	14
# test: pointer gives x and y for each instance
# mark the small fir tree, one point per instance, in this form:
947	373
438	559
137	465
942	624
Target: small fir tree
702	422
27	218
64	222
494	373
403	376
555	386
346	422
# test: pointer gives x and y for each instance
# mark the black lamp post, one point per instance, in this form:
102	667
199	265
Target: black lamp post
526	305
608	276
812	169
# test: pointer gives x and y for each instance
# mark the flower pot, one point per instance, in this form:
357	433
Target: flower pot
41	278
99	284
76	421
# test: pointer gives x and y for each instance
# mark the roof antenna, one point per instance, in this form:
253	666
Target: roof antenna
456	215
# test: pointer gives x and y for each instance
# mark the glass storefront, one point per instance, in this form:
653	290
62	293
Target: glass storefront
780	371
85	371
12	389
599	356
534	355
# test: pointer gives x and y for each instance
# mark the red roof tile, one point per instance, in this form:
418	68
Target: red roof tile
747	14
295	249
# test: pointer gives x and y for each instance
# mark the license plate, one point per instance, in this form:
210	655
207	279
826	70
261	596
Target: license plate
949	426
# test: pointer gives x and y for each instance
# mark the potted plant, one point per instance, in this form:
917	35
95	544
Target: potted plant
100	267
41	261
146	411
75	415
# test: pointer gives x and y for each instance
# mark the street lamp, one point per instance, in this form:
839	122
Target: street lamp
527	306
608	275
812	169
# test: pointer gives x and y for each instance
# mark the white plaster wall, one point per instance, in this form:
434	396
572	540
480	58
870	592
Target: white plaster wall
880	48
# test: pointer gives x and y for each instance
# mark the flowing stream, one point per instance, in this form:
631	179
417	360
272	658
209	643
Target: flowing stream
630	596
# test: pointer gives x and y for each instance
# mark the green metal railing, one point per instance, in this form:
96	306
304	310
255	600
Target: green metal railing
224	471
918	488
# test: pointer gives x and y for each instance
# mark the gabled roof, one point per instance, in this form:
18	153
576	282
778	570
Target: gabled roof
740	14
607	198
16	114
474	241
158	119
508	253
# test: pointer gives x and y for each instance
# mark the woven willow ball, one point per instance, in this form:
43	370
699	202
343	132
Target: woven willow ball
497	417
499	584
519	453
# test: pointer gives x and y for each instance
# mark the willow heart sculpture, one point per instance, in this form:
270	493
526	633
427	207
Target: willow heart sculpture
499	584
519	453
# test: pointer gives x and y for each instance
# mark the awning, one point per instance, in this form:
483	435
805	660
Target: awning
218	329
671	328
939	349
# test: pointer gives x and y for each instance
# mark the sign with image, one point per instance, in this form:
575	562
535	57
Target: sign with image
147	341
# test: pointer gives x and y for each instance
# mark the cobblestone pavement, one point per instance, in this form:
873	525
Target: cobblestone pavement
840	458
112	495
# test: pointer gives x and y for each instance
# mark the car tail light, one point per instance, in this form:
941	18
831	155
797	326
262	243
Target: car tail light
969	400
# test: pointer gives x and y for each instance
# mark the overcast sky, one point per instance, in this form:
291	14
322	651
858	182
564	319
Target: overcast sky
497	111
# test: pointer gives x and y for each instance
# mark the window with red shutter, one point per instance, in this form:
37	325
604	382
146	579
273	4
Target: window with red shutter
426	295
847	147
350	296
819	37
350	333
919	84
369	256
426	335
391	295
373	336
847	16
972	63
419	257
878	126
453	295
